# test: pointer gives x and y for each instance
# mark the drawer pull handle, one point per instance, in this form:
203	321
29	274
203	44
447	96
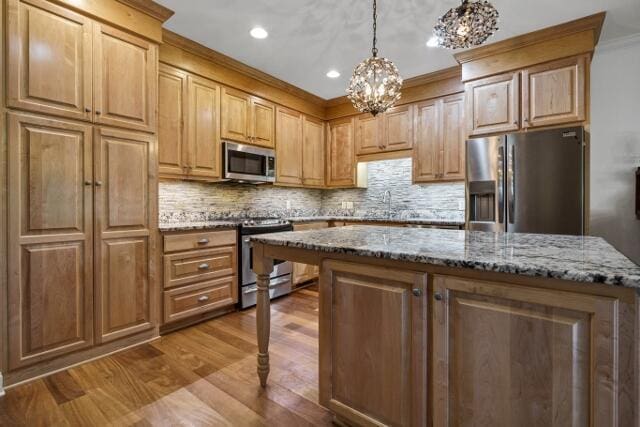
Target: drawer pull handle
203	241
203	266
203	298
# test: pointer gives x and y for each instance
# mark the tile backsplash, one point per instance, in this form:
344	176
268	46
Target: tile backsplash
436	201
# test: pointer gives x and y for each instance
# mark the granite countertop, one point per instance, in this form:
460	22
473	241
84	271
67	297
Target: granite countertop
575	258
231	222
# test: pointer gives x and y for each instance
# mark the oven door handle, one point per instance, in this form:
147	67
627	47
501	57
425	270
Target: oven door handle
273	284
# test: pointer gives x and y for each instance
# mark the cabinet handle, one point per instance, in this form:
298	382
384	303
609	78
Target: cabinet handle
203	241
88	183
203	266
417	292
203	298
98	183
98	112
437	297
87	110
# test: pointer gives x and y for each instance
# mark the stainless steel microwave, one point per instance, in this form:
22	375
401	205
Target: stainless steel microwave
245	163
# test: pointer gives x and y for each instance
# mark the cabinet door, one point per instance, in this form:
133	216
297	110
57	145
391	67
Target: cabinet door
313	152
262	117
172	132
125	216
554	93
49	59
125	79
289	146
204	128
426	154
453	138
341	162
492	104
511	355
236	111
373	359
398	128
50	227
368	134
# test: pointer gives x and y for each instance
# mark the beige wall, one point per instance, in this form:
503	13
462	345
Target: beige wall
615	143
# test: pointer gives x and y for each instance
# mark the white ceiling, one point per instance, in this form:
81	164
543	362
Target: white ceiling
309	37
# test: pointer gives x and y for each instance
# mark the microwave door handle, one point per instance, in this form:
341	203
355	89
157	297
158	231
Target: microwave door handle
500	206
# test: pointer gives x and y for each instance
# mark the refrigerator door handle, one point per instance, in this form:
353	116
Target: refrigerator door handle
500	174
511	183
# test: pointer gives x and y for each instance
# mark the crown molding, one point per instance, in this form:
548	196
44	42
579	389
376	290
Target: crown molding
151	8
169	37
592	22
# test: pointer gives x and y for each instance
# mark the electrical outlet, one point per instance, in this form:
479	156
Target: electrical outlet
344	205
288	204
349	205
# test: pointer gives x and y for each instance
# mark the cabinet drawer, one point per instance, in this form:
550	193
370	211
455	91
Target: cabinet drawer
199	240
199	298
196	266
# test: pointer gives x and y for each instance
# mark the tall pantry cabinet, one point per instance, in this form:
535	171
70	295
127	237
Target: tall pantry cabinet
81	157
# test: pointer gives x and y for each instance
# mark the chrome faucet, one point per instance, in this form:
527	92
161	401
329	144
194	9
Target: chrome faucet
386	198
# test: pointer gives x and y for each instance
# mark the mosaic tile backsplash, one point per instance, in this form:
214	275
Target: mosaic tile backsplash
181	199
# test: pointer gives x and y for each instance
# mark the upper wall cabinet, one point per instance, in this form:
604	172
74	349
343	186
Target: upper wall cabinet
493	104
289	146
64	64
390	131
538	96
172	132
554	93
341	162
312	152
49	63
247	119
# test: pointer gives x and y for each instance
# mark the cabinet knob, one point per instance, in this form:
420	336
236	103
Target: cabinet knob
88	183
203	266
203	298
98	112
417	292
437	296
87	110
98	183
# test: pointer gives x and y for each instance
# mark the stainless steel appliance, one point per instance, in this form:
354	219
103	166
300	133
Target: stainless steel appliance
281	275
527	182
245	163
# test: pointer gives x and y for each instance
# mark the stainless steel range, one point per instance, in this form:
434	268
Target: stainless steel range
281	275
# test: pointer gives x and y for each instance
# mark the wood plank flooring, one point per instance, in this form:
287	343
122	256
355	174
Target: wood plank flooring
204	375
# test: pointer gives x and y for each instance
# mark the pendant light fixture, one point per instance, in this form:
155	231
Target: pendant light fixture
467	25
375	84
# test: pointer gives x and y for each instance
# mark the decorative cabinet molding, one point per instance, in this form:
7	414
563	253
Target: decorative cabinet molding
91	71
439	152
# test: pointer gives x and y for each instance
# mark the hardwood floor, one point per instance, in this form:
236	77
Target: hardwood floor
202	375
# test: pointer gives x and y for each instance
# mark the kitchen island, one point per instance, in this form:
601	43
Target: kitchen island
445	327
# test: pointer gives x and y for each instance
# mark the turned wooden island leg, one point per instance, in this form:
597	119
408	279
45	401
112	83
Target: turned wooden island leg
262	266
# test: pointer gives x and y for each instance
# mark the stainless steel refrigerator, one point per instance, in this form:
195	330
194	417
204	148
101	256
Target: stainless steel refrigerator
527	182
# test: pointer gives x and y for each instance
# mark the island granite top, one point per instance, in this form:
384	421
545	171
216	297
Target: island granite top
576	258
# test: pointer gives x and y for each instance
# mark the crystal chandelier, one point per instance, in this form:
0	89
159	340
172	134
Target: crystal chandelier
469	24
375	83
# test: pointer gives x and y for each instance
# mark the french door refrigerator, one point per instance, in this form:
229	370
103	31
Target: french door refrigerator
529	182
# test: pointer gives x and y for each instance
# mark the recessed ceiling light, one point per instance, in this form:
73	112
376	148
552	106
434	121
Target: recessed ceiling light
333	74
433	42
258	33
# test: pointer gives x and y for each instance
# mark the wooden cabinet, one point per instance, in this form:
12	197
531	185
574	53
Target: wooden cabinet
125	219
493	104
172	130
341	161
189	129
389	131
554	93
289	147
204	158
368	134
373	362
125	79
439	153
303	272
247	119
50	226
539	356
49	62
200	273
542	95
64	64
313	165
